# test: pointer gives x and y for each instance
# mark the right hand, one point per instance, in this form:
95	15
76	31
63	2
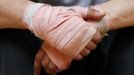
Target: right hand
59	28
84	52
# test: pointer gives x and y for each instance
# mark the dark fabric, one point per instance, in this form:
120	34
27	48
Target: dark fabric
120	59
84	3
17	51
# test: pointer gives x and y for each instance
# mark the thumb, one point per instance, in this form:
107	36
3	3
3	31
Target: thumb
94	14
91	13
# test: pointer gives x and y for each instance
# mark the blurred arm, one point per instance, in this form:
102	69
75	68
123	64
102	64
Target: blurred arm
119	13
11	13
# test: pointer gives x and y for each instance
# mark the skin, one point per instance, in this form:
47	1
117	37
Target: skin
119	13
115	17
11	13
50	67
115	20
14	20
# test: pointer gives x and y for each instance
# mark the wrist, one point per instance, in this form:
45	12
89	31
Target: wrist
11	11
17	14
107	19
29	12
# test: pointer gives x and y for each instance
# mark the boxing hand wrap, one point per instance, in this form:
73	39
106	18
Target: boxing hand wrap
60	27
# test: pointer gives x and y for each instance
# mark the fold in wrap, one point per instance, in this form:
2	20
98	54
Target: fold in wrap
63	29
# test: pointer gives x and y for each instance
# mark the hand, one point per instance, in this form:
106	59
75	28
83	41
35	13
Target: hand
90	46
60	29
42	60
92	14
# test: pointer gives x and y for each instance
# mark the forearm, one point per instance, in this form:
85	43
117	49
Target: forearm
11	13
119	13
9	23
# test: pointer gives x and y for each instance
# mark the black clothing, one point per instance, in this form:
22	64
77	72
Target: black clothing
17	51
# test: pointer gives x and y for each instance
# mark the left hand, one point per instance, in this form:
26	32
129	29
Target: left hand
53	69
42	59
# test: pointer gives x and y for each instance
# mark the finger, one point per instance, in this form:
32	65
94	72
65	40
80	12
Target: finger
53	68
45	63
79	57
97	38
37	62
95	14
48	66
85	52
91	45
